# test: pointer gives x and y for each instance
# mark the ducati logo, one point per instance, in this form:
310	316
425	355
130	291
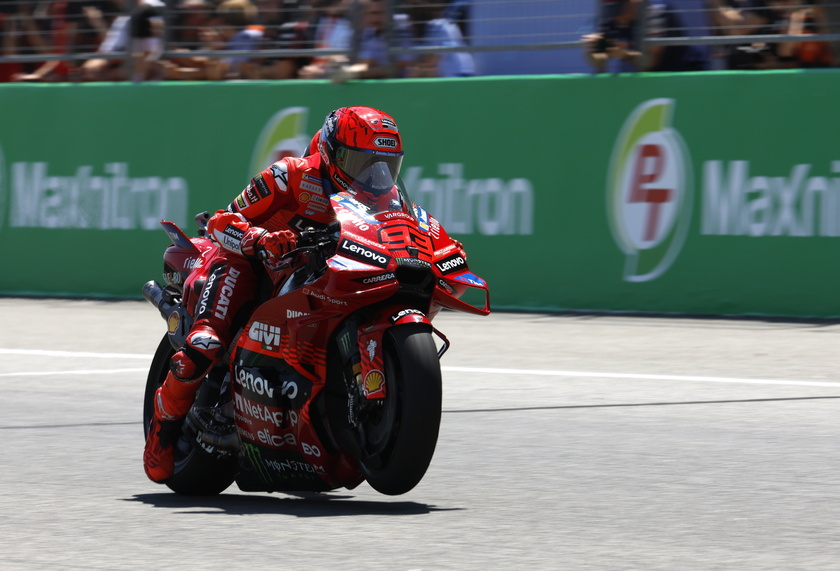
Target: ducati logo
649	193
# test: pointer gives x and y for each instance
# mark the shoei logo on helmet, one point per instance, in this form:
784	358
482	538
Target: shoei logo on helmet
649	194
284	135
385	142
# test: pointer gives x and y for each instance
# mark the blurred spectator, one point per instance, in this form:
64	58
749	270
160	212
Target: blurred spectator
232	29
760	17
331	29
115	42
9	41
363	37
274	13
458	11
618	38
284	26
147	31
828	18
287	36
434	29
614	47
57	37
374	59
186	20
92	19
676	19
189	20
806	21
742	18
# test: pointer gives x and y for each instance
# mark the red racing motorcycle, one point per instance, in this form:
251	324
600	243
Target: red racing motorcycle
335	378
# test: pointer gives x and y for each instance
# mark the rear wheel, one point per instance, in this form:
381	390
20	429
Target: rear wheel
399	439
199	471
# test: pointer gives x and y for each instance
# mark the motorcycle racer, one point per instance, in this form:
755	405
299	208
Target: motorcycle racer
262	224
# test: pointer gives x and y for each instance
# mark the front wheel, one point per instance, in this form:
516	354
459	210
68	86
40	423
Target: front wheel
404	433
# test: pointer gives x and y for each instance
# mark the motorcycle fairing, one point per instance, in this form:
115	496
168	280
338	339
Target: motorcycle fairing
285	446
184	255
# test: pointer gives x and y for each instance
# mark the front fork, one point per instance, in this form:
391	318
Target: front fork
369	368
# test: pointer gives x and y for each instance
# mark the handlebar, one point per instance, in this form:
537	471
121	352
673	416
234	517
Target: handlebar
309	240
311	237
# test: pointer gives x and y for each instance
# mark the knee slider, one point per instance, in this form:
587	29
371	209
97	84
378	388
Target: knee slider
201	352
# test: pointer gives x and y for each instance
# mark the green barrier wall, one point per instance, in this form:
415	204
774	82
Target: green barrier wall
693	193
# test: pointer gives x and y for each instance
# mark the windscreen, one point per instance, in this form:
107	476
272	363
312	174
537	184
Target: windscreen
376	189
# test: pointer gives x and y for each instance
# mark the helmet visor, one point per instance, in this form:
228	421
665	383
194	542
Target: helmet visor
376	180
354	162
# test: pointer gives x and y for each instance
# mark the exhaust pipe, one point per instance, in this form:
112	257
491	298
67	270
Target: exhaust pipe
156	295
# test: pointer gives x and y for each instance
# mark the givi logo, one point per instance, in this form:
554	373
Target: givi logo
649	193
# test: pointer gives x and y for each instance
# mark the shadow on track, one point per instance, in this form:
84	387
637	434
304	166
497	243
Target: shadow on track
298	505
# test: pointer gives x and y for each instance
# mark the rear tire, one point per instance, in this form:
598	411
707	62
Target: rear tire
407	432
197	471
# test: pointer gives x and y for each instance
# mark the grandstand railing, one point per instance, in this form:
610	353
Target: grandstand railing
31	31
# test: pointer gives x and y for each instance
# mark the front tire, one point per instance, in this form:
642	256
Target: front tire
406	432
198	472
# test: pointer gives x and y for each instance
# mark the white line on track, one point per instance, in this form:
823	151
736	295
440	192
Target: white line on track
646	377
77	372
43	353
469	370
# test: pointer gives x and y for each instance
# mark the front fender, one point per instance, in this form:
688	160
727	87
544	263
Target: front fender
371	335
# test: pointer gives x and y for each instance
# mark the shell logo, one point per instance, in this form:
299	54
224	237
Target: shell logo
374	384
173	322
649	191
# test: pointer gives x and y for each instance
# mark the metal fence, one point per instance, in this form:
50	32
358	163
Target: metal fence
79	40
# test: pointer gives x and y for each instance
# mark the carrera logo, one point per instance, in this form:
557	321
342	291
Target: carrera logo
377	279
363	253
385	142
649	194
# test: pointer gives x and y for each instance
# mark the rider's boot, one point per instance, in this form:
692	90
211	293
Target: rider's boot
202	350
171	404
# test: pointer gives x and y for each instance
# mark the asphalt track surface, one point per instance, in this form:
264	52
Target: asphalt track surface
567	442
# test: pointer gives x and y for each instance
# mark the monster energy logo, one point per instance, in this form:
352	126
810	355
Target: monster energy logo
254	456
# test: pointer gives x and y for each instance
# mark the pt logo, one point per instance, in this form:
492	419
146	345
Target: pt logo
649	193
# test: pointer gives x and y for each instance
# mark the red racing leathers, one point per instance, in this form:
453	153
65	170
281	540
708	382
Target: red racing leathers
277	204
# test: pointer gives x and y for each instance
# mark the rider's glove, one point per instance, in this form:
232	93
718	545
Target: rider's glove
274	245
236	234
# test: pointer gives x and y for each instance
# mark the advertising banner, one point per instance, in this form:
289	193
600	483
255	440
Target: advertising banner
714	193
